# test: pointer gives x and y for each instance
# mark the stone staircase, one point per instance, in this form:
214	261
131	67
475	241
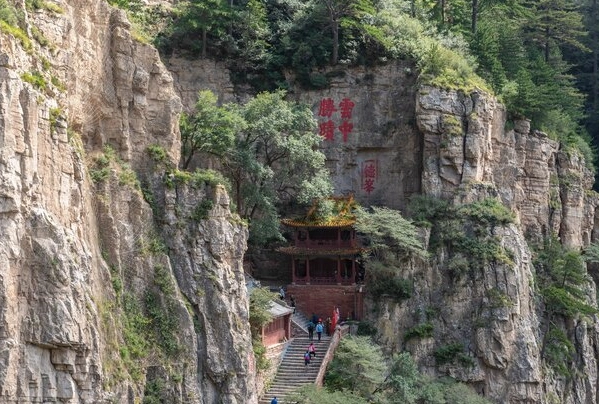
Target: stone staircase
300	321
292	373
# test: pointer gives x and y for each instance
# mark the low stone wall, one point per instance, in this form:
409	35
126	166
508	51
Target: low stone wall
340	332
275	355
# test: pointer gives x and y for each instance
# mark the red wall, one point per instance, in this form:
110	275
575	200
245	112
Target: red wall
322	299
273	338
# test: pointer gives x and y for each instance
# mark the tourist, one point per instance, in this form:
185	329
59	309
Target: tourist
306	358
319	329
312	350
274	401
311	330
282	293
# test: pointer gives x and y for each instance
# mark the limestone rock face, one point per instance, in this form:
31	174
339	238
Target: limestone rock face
90	308
401	140
466	143
89	269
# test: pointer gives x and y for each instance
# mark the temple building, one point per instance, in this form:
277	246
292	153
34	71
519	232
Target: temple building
324	262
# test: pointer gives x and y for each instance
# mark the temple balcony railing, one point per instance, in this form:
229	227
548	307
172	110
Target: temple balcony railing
323	280
325	244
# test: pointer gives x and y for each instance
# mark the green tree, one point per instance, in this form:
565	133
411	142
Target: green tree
386	231
275	160
563	280
359	371
8	13
250	34
347	13
260	315
555	23
268	148
260	302
210	129
358	366
195	18
389	238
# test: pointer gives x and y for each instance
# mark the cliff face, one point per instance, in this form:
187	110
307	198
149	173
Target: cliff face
131	285
406	140
104	296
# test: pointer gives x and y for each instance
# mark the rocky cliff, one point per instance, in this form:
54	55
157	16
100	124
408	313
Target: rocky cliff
405	140
109	291
121	279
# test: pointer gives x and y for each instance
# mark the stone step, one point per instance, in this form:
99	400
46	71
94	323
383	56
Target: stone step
292	373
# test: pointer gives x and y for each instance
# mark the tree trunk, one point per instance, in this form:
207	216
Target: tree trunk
204	36
547	45
595	50
442	4
335	56
474	15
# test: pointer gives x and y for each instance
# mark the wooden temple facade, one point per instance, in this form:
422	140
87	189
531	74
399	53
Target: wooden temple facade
325	270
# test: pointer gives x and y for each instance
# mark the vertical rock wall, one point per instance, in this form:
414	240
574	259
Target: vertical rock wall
73	252
456	146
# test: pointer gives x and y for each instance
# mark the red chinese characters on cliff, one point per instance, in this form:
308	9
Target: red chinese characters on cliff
327	109
369	175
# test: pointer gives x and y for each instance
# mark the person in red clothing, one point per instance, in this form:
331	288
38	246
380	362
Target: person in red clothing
312	350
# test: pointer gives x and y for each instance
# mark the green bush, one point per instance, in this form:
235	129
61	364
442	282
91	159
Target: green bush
423	330
202	209
488	212
55	114
157	153
559	351
36	79
59	85
8	13
387	283
366	329
452	353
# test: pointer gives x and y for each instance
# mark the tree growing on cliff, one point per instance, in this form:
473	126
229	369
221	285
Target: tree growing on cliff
210	129
268	148
389	238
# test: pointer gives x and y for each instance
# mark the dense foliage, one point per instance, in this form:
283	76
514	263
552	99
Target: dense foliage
260	302
360	374
466	232
389	239
267	149
564	285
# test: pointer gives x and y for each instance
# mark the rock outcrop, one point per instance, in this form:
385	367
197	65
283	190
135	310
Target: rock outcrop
120	280
95	303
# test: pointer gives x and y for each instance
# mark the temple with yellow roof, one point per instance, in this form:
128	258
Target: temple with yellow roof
324	261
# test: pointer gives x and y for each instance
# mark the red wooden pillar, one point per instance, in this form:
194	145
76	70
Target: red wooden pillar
307	270
338	272
293	269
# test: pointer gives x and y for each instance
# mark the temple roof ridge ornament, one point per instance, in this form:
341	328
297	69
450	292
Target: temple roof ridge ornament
342	214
